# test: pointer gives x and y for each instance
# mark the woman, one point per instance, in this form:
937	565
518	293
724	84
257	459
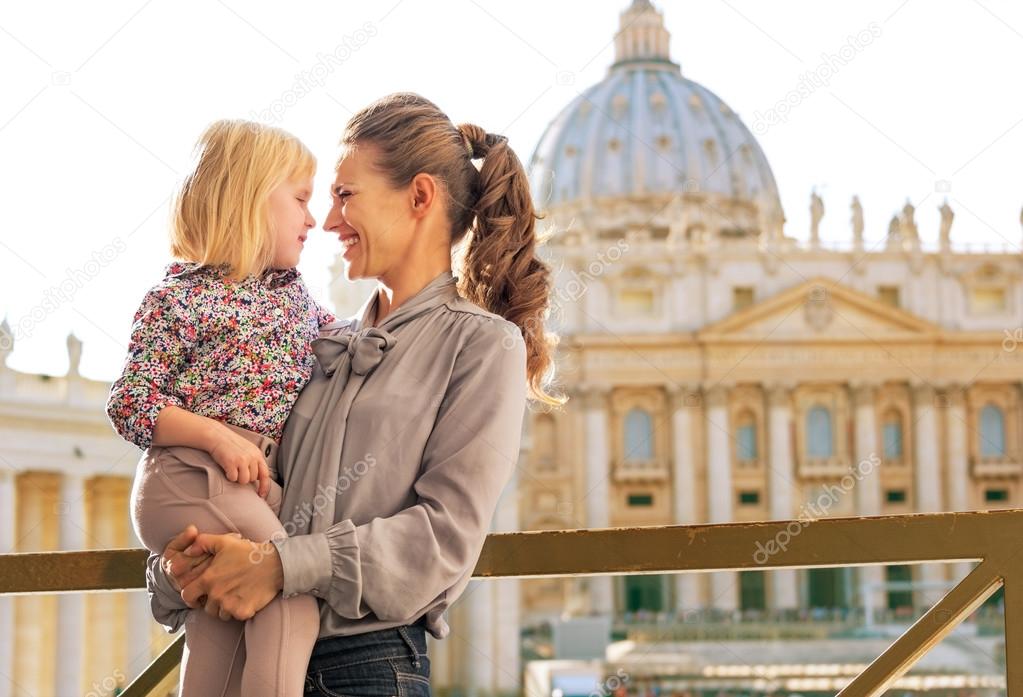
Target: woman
395	454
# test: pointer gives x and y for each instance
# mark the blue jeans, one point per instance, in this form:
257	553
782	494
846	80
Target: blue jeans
384	663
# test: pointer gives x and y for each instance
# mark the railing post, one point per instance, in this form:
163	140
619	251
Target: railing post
1013	603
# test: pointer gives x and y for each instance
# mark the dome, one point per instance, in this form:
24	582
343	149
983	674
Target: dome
646	130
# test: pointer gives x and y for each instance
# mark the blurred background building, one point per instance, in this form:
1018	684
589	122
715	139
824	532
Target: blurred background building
719	367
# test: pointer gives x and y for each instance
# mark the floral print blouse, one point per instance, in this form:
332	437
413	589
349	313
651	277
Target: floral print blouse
235	351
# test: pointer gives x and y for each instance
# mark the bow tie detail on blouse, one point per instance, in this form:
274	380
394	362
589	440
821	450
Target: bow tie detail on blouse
365	348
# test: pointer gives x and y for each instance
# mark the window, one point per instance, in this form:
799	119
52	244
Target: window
645	592
900	593
639	435
889	295
818	432
892	435
829	587
635	301
996	495
987	300
640	499
895	496
992	431
746	438
749	498
752	595
742	297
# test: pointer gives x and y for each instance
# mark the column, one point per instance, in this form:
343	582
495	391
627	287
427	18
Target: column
868	486
958	482
481	662
595	405
71	606
7	540
781	478
724	585
927	476
684	400
507	593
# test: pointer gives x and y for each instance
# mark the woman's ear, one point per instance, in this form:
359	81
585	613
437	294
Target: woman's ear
424	193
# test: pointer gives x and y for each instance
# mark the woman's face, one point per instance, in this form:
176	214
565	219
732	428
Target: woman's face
374	221
291	220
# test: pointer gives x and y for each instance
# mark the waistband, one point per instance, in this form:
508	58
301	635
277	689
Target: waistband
266	444
380	644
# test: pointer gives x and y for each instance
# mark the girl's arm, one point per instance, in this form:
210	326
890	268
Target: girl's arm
241	460
142	407
162	338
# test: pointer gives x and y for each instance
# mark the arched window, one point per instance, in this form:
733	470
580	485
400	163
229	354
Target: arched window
746	438
992	431
818	432
892	435
639	435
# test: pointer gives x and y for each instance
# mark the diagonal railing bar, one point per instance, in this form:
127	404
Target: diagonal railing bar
926	632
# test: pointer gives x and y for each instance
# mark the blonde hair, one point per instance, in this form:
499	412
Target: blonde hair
221	214
501	271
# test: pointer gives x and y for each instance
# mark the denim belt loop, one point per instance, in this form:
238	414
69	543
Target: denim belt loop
403	631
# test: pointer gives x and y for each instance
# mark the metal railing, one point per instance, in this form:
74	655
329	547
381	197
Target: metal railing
995	539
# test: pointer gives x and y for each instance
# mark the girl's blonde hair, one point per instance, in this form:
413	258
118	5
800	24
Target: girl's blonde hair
221	214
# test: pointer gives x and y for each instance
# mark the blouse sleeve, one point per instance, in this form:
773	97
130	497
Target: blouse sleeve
396	566
165	602
161	339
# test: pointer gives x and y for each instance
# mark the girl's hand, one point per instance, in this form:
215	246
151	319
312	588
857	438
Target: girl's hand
241	460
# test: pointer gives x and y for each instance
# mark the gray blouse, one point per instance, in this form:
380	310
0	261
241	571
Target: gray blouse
392	461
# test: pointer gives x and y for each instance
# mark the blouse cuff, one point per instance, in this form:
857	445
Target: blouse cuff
165	601
305	560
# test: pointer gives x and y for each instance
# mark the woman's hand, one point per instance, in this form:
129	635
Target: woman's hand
239	581
182	569
241	460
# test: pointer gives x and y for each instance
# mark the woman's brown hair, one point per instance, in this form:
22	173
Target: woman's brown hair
501	272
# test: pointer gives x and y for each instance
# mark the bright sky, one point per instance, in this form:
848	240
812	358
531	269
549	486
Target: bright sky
101	103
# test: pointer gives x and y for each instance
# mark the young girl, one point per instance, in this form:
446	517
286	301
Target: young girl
219	351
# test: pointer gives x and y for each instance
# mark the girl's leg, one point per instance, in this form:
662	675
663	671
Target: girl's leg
279	639
214	657
166	497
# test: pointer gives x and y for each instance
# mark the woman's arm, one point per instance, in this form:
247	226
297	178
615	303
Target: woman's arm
165	600
396	566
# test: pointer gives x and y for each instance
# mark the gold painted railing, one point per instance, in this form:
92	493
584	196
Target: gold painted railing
995	539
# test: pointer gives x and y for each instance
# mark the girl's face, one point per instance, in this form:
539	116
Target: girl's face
374	222
291	220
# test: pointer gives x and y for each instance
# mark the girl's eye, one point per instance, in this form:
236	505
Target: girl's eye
344	194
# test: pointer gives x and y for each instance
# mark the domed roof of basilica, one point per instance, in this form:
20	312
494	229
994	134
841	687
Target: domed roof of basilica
645	130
